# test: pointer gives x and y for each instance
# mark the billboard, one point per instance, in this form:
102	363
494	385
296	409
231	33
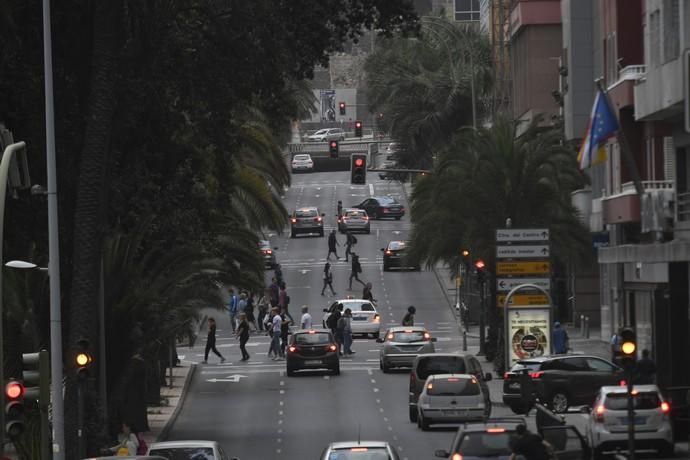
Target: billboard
529	333
327	105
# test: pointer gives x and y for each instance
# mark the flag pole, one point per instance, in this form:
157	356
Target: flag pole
623	142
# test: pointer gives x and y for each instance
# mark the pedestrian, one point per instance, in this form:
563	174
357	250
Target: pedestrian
279	275
350	240
276	322
243	334
367	294
327	278
127	442
408	319
306	321
211	342
332	243
232	308
356	270
249	310
264	303
340	332
284	332
346	321
241	307
274	288
332	321
284	302
561	341
530	445
616	342
340	208
645	369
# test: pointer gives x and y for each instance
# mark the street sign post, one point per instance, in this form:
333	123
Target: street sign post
522	300
530	267
523	252
506	284
522	235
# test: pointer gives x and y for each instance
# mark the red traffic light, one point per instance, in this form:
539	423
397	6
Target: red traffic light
479	264
359	162
358	124
14	390
342	105
334	144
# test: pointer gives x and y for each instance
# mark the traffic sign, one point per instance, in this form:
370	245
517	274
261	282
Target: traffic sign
526	251
523	268
530	300
522	234
506	284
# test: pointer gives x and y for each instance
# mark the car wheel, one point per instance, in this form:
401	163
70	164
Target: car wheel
336	370
559	402
413	415
293	234
517	408
385	267
290	373
423	422
667	451
376	335
385	368
321	232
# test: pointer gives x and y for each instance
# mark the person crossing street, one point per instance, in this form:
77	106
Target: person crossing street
243	334
356	270
350	241
332	243
327	278
211	342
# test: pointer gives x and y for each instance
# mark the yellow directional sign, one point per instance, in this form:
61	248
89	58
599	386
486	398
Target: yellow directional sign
518	300
522	268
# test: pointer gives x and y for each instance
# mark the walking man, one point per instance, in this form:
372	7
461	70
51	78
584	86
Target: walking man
560	339
276	322
408	319
284	301
241	307
274	292
367	294
645	369
356	270
232	308
211	342
306	321
350	241
264	303
332	243
340	208
327	278
347	332
243	334
616	346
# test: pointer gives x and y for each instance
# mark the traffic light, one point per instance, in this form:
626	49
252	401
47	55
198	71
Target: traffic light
14	409
36	376
83	359
358	171
358	128
342	108
333	149
480	269
628	348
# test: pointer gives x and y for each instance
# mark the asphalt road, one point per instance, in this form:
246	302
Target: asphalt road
257	413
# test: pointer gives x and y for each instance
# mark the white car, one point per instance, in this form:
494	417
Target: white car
451	398
365	319
327	134
607	425
302	162
359	450
189	450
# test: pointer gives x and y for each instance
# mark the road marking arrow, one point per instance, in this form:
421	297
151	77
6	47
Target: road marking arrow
304	271
234	378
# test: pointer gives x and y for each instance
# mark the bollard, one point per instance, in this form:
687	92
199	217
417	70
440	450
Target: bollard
586	327
464	340
582	325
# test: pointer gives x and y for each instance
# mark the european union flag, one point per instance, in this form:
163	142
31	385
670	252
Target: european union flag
602	125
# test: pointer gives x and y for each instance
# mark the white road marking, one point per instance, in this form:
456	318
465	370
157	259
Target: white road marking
371	189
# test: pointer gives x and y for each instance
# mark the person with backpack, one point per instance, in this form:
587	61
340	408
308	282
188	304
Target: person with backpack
350	240
367	294
243	335
332	321
284	302
408	319
356	270
332	243
345	323
561	342
232	308
327	278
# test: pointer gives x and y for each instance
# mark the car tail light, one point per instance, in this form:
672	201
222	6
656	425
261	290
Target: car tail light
665	407
268	251
599	413
292	348
456	457
427	336
359	449
506	375
388	252
385	210
365	217
495	430
623	383
453	379
318	219
474	381
293	220
377	319
429	386
402	209
390	336
332	347
311	331
536	375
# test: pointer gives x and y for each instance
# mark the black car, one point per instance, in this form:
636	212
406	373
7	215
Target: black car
560	381
379	207
491	439
312	349
395	255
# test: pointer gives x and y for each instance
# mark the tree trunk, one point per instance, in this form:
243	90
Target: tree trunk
107	23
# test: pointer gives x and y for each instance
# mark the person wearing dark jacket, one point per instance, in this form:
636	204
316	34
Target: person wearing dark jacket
356	270
408	319
332	243
327	278
350	241
243	334
211	341
367	294
645	370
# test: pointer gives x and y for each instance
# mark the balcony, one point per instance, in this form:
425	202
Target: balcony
622	91
625	206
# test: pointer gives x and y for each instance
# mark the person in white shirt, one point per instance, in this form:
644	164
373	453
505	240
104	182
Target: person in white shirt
305	322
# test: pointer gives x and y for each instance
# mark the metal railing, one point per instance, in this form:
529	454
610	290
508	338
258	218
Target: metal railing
630	72
683	206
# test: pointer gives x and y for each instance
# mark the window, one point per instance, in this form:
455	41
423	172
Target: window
467	10
570	364
654	37
184	453
485	444
671	30
312	339
359	453
306	213
611	59
453	387
619	401
669	159
408	337
600	365
440	365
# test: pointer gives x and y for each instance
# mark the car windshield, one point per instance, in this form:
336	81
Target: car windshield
306	213
483	444
184	453
319	132
522	365
453	386
643	400
440	365
360	453
407	336
396	245
301	157
312	339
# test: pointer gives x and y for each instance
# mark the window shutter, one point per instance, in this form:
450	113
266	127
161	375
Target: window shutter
669	159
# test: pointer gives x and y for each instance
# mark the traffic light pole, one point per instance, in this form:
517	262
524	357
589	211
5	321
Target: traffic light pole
81	450
631	415
482	309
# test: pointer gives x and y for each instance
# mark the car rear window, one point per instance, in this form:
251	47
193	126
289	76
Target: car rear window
453	386
387	201
301	157
360	453
359	306
643	400
484	444
306	213
395	245
522	365
440	365
184	453
312	339
407	336
355	213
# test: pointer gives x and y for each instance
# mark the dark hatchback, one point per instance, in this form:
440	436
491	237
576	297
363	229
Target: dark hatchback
395	255
379	207
312	349
560	381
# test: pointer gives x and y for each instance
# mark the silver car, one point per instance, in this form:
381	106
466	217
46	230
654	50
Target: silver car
307	219
354	220
188	450
402	344
359	450
327	134
451	398
302	162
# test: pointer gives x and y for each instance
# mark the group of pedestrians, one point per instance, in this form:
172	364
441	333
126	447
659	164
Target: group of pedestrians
355	267
340	324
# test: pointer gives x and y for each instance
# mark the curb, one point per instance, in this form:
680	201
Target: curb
183	395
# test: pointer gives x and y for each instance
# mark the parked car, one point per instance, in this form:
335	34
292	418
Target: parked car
312	349
307	219
607	425
491	439
302	162
267	254
354	220
359	450
395	255
365	319
327	134
451	398
561	381
189	450
425	365
378	207
402	345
